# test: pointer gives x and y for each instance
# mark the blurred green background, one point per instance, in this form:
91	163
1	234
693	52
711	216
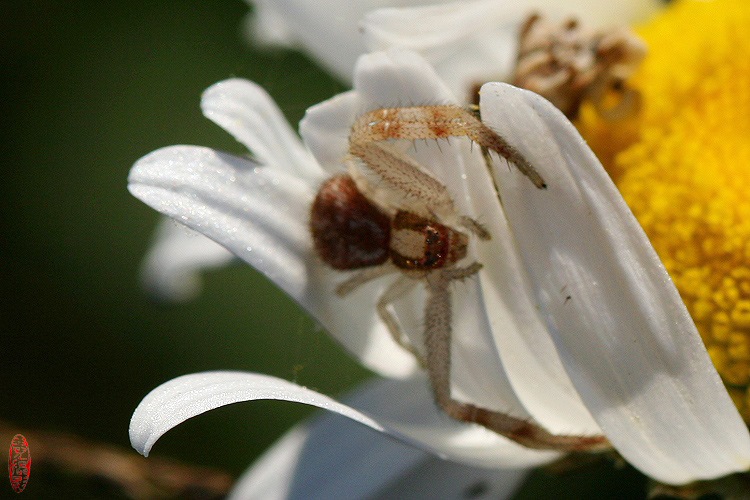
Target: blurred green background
88	88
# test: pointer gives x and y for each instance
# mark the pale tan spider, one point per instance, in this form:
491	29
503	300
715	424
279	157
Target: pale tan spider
354	227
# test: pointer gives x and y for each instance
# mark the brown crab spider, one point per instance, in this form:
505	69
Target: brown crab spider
422	238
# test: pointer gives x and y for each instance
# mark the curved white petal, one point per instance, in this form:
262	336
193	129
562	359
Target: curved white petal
520	335
624	336
333	457
172	266
246	111
408	415
260	214
474	42
185	397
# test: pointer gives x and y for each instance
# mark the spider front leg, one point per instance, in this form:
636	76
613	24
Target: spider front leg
437	338
436	122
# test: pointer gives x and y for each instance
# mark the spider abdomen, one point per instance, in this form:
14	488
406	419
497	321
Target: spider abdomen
348	231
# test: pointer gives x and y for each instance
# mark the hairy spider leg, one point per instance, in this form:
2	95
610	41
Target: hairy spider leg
438	353
427	195
437	122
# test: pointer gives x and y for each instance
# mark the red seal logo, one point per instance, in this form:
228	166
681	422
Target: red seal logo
19	463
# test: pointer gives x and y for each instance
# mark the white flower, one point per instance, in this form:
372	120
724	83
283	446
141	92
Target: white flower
572	322
468	42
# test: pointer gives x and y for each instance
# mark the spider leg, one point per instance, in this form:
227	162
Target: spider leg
437	339
474	227
363	277
437	122
404	175
396	290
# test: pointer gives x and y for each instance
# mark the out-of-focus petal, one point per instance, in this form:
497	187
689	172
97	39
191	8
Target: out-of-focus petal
327	31
333	457
473	42
246	111
267	26
172	266
622	331
260	214
398	408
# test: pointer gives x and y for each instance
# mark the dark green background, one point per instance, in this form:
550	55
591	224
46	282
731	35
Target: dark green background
88	88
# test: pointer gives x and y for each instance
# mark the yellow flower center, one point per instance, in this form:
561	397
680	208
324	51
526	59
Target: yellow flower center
682	163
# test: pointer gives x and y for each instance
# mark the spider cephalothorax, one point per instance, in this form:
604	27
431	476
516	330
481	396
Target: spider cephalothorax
421	239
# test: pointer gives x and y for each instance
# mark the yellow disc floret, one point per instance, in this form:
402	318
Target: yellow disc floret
682	163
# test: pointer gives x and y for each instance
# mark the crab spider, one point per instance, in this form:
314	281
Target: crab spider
354	227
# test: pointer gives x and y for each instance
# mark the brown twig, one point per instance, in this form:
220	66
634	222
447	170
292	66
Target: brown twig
134	476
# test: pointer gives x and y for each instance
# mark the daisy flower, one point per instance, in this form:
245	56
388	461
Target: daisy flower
572	323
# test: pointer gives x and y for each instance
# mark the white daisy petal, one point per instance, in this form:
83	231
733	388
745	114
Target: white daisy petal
520	336
325	130
261	214
333	457
258	213
185	397
398	78
413	420
172	266
328	31
624	336
246	111
395	78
